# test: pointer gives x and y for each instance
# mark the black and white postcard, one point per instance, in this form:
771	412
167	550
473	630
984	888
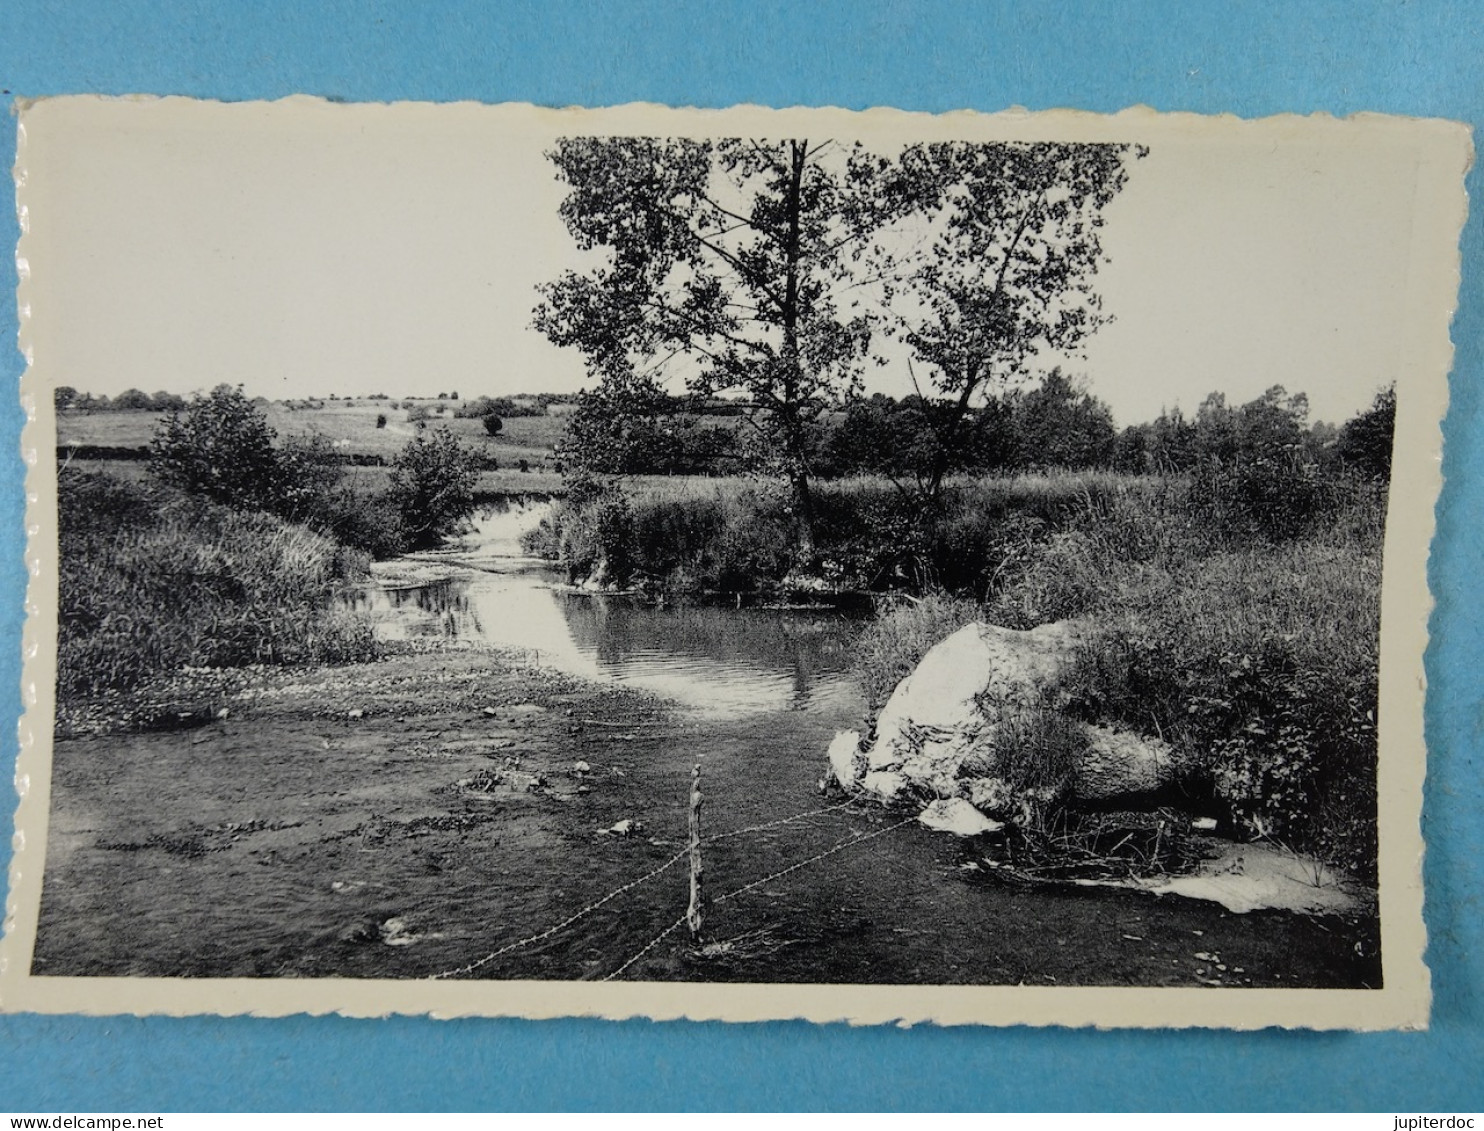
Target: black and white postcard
740	564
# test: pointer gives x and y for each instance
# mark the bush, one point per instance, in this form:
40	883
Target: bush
381	420
1260	667
1365	442
220	447
153	580
492	424
432	488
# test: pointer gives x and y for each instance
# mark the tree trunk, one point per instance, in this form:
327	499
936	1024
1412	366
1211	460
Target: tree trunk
803	504
803	498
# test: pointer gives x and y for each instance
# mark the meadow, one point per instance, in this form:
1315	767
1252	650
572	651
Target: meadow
350	425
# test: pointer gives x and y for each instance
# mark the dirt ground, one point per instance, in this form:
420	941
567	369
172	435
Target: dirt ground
414	816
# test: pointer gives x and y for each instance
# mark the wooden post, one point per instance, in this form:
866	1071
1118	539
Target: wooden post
693	912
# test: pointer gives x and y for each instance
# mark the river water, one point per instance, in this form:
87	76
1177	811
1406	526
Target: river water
715	660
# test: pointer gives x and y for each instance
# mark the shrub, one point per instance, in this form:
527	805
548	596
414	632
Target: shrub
153	581
1260	666
432	488
381	420
1365	442
221	447
492	424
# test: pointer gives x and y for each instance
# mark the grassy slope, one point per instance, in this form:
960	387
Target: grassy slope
350	425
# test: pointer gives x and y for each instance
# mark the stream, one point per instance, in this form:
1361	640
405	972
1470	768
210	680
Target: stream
446	811
715	660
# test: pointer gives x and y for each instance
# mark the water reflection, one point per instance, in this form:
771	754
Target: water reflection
720	661
724	661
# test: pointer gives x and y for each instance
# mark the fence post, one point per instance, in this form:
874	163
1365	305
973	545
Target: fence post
693	912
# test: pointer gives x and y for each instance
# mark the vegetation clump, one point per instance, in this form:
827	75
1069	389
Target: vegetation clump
432	488
154	581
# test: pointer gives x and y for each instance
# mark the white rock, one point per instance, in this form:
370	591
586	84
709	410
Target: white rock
1203	824
356	713
884	784
939	734
627	827
936	709
957	816
581	768
845	758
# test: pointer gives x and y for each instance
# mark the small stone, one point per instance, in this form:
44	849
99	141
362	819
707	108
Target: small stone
845	759
1204	824
490	711
223	713
356	713
581	768
957	816
627	827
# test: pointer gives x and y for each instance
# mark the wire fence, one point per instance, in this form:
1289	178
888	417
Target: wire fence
540	936
848	842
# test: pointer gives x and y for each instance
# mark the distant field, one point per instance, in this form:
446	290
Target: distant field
351	426
505	481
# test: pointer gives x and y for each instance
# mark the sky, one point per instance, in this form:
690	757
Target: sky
304	249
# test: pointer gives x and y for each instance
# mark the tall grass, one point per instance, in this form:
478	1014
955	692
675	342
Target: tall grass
153	581
901	636
1255	655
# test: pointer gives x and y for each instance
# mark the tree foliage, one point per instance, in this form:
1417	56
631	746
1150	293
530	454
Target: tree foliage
1059	424
765	267
220	446
726	255
989	262
432	487
1366	440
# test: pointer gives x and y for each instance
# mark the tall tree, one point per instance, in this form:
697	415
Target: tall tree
990	262
728	256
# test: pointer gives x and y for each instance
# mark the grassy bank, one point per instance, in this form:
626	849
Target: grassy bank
154	582
1255	655
693	534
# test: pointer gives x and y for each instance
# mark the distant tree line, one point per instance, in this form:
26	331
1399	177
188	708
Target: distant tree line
68	399
636	429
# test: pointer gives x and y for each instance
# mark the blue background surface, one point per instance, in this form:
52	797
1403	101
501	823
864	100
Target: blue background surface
1246	58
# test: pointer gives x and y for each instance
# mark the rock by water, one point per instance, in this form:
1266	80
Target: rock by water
955	815
947	732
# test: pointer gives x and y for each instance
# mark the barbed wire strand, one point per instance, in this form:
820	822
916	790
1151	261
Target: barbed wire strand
654	942
775	824
840	847
546	934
